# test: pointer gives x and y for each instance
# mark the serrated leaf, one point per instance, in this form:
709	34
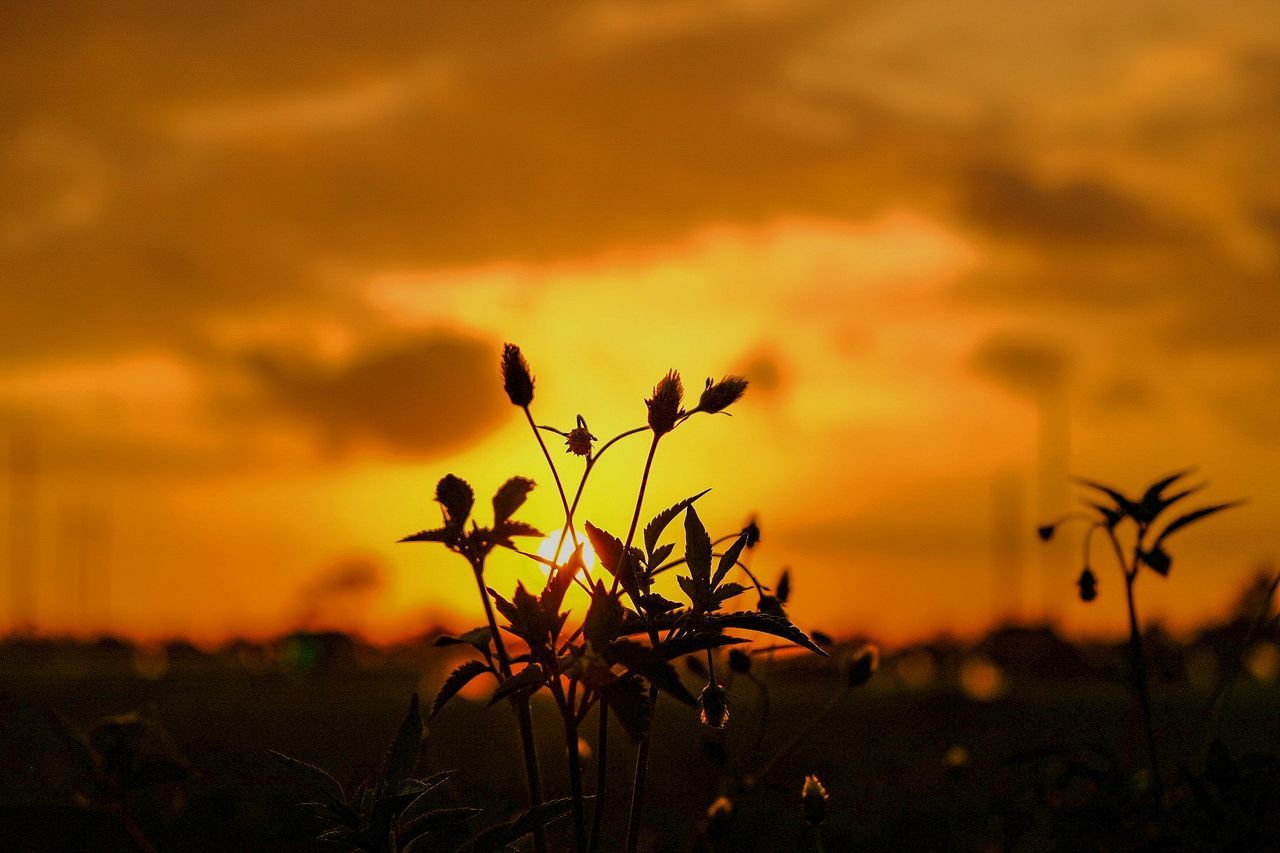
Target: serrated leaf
660	555
1192	517
497	837
699	642
504	531
608	547
692	591
436	820
457	498
724	592
655	603
650	664
654	529
729	559
529	678
458	679
312	776
477	638
402	755
766	623
629	702
697	548
510	496
604	617
440	534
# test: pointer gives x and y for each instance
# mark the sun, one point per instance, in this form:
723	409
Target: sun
547	550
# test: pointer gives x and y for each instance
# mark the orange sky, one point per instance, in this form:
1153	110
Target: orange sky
257	263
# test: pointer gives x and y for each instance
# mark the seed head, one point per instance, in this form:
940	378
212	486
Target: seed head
1088	583
863	666
516	378
739	661
578	441
718	396
664	405
753	534
714	702
814	797
1046	531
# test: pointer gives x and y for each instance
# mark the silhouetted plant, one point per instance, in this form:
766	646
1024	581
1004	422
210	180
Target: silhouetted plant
620	656
116	759
1118	515
398	811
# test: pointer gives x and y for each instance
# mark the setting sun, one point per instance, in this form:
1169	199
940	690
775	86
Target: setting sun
547	550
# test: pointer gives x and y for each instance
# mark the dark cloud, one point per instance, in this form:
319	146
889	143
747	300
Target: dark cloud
427	396
1023	365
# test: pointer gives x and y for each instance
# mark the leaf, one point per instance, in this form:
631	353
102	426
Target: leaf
458	679
689	643
697	548
402	755
650	664
724	592
660	555
497	837
1191	518
457	498
435	821
692	591
478	638
654	603
529	677
653	530
1152	496
608	547
783	591
422	800
510	496
629	702
1123	504
729	560
604	618
766	623
440	534
503	532
1158	559
312	776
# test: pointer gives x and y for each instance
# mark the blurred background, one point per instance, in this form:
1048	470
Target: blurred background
257	262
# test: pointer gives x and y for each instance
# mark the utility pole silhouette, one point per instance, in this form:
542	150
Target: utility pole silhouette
23	495
1038	373
1009	533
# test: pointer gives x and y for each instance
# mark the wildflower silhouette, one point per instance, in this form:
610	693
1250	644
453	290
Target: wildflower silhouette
1111	511
619	657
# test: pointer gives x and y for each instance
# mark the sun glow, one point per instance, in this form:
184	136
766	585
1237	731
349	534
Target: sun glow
547	550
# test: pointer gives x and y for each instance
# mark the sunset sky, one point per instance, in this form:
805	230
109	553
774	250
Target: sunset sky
257	262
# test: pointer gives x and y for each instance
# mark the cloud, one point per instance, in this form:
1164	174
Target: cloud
423	397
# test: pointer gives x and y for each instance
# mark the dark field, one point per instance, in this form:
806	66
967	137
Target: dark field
887	753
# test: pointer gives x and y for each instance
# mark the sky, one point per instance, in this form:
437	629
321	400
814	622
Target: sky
257	263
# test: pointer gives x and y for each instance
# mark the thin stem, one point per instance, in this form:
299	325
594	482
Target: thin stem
763	692
602	776
804	732
575	783
592	459
532	774
564	501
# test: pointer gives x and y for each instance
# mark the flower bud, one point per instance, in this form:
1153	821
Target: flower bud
718	396
1088	583
578	441
1046	531
863	666
739	661
664	405
516	378
714	703
814	797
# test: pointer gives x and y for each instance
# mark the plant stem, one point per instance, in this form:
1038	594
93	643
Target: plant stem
1140	684
602	775
803	733
575	783
642	754
564	501
532	775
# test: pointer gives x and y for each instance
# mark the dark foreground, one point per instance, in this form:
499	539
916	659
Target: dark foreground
1044	760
